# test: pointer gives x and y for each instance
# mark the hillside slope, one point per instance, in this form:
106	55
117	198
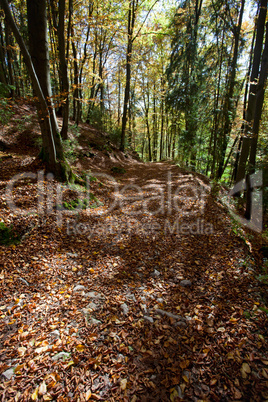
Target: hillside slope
150	293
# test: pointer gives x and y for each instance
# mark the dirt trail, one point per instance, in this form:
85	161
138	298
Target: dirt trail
150	297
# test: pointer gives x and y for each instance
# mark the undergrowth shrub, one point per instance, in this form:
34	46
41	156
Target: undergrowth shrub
7	235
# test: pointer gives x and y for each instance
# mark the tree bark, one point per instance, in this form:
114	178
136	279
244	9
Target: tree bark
131	22
63	71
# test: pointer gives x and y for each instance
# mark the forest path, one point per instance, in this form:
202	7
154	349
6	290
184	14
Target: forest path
150	297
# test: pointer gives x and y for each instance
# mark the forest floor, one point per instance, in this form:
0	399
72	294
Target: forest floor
149	294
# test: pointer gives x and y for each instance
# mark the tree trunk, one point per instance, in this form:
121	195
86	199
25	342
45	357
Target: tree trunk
131	23
228	106
9	59
63	71
254	77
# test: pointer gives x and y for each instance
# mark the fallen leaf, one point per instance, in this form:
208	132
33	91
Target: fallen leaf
245	370
34	395
42	388
123	384
88	394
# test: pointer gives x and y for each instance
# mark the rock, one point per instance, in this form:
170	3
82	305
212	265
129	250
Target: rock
144	308
186	283
94	295
181	324
92	306
73	255
55	334
62	355
124	308
156	273
175	317
93	321
9	373
131	297
148	319
159	300
78	288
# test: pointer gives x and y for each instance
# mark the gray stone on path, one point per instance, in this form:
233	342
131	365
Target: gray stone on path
180	324
124	308
175	317
186	283
62	355
156	273
55	334
92	306
159	300
148	319
94	321
78	288
9	373
94	295
130	296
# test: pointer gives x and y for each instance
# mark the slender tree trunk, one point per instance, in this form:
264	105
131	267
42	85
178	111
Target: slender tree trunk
63	70
131	23
254	78
228	105
259	104
46	129
9	59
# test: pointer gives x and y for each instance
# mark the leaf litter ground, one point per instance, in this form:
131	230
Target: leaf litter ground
120	304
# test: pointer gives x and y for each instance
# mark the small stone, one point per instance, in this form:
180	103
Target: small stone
181	324
131	297
9	373
94	295
92	306
144	308
186	283
73	255
124	308
62	355
55	334
78	288
156	273
148	319
167	313
94	321
160	300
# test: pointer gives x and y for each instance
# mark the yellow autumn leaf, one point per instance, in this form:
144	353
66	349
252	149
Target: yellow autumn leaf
80	348
47	397
245	370
18	368
74	269
34	395
123	384
185	378
174	395
91	270
233	320
88	395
